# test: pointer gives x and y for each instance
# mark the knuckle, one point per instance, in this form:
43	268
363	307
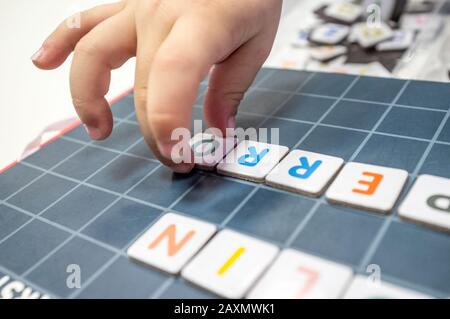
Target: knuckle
85	106
175	61
79	102
234	96
87	48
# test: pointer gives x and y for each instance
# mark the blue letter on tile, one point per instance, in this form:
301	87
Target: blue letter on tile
253	158
306	169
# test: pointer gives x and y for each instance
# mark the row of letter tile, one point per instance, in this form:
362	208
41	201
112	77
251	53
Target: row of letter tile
370	187
234	265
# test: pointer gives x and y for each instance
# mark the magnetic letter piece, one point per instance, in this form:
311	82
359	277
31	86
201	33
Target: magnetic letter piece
304	172
428	202
230	263
171	242
367	186
296	275
252	160
209	150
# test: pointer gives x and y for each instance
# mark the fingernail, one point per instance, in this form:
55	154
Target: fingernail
37	55
93	132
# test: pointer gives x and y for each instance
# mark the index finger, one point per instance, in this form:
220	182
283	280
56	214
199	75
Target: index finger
180	64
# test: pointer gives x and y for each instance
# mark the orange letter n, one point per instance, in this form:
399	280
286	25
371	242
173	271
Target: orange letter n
172	246
372	185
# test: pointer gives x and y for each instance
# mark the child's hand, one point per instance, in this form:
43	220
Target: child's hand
176	42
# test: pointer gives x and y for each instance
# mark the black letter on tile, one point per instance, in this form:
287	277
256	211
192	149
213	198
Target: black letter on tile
432	202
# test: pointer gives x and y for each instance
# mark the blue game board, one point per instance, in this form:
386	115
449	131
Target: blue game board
83	202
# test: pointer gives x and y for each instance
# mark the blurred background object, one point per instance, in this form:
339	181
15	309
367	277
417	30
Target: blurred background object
387	38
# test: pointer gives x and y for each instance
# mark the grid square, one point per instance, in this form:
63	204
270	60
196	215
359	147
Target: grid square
284	80
124	279
333	141
79	207
359	115
52	273
375	89
438	161
426	94
122	137
123	107
425	262
53	153
327	233
328	84
445	134
391	151
123	173
164	186
213	199
75	166
10	220
305	108
41	193
262	102
15	178
180	289
271	215
121	223
142	149
79	133
411	122
289	133
27	246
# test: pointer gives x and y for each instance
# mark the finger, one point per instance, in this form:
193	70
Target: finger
230	80
151	32
94	58
57	47
182	61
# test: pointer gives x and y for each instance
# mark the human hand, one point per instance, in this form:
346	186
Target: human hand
176	42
